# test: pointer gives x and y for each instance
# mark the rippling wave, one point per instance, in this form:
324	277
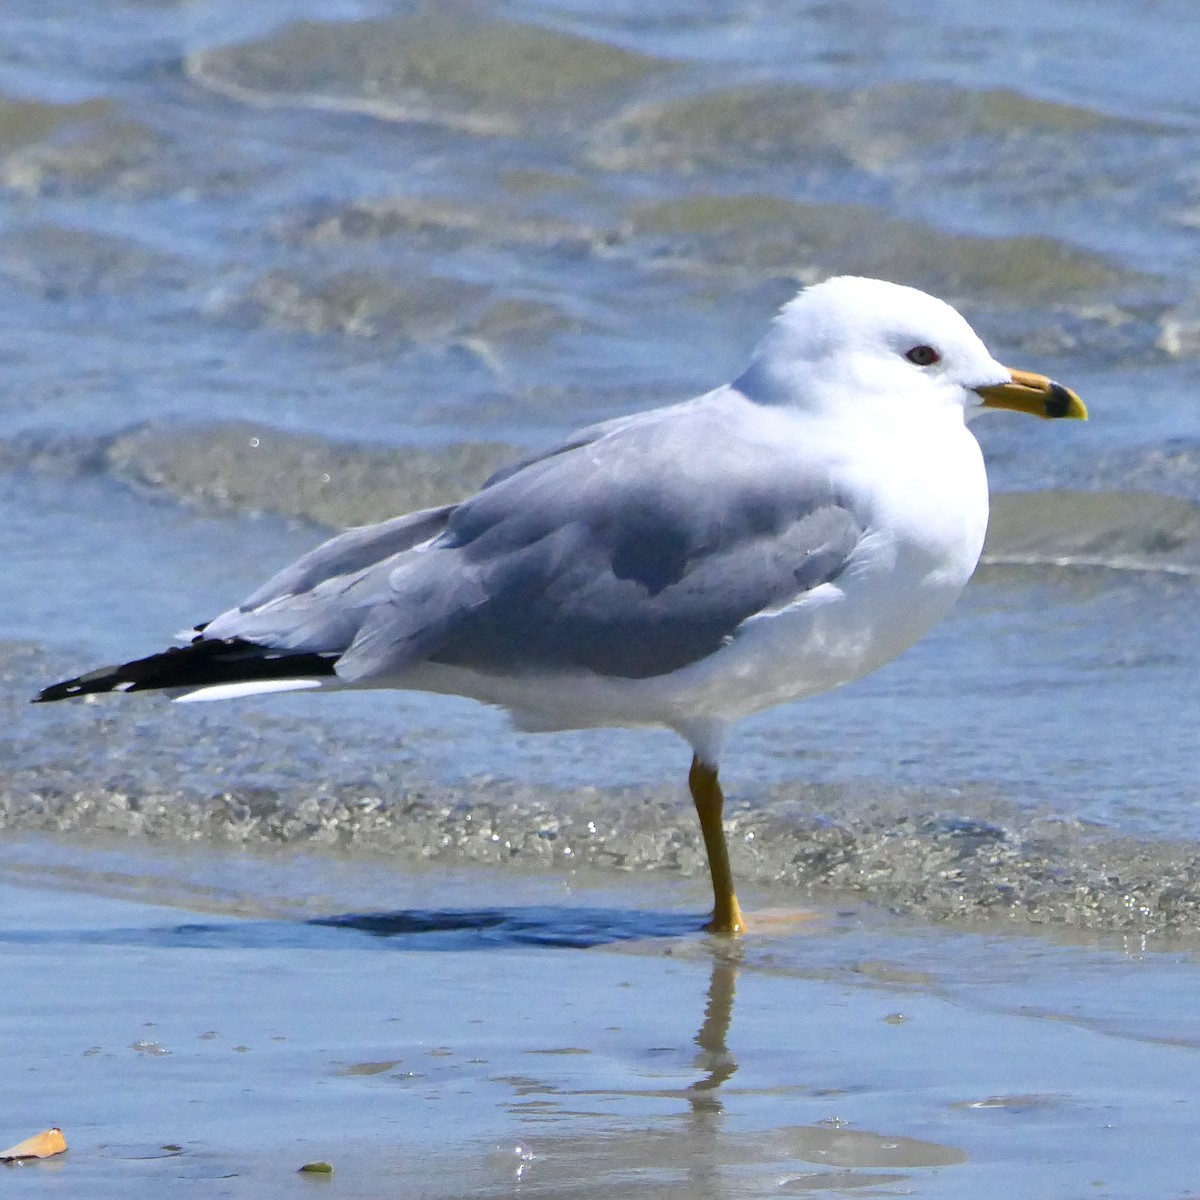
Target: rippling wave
971	858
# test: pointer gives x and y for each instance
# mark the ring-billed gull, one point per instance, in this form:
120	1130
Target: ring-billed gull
683	567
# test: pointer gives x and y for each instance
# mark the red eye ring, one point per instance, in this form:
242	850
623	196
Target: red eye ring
923	356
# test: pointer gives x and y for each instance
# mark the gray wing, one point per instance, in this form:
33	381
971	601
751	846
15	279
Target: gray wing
352	551
635	549
319	602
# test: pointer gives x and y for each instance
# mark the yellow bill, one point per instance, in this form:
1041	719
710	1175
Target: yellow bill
1034	394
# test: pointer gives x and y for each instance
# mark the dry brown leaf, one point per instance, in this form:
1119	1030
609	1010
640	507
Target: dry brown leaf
42	1145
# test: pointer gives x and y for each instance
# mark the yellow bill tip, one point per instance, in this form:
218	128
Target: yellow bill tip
1061	402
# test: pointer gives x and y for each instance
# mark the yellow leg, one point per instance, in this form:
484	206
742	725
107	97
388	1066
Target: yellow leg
709	800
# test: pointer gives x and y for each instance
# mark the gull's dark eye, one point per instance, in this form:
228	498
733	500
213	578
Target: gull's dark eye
923	356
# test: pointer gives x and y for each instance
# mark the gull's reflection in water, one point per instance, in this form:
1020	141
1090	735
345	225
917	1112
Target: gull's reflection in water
708	1149
715	1058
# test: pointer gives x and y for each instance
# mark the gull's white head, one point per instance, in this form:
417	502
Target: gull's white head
888	351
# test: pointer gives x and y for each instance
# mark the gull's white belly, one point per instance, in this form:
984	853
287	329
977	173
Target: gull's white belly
836	634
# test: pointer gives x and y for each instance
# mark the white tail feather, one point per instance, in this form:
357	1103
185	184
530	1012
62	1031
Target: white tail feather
252	687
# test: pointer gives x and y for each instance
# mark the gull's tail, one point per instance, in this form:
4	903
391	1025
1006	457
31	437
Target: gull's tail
211	668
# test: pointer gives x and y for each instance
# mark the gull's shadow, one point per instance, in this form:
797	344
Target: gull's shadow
407	930
530	925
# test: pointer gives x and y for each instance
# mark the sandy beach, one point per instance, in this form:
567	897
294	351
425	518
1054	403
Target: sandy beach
572	1039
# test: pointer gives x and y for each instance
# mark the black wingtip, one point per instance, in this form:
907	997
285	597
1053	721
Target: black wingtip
58	691
106	679
203	663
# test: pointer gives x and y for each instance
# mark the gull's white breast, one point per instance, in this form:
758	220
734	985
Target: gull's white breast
926	507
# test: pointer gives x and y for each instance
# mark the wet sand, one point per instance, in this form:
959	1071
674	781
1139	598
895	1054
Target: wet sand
200	1026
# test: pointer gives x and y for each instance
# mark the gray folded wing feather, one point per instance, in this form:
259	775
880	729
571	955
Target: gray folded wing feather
319	602
632	551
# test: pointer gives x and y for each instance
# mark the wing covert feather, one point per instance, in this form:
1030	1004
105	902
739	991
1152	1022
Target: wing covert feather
633	553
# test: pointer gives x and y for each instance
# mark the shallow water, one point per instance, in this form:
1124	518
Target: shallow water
454	1046
269	270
